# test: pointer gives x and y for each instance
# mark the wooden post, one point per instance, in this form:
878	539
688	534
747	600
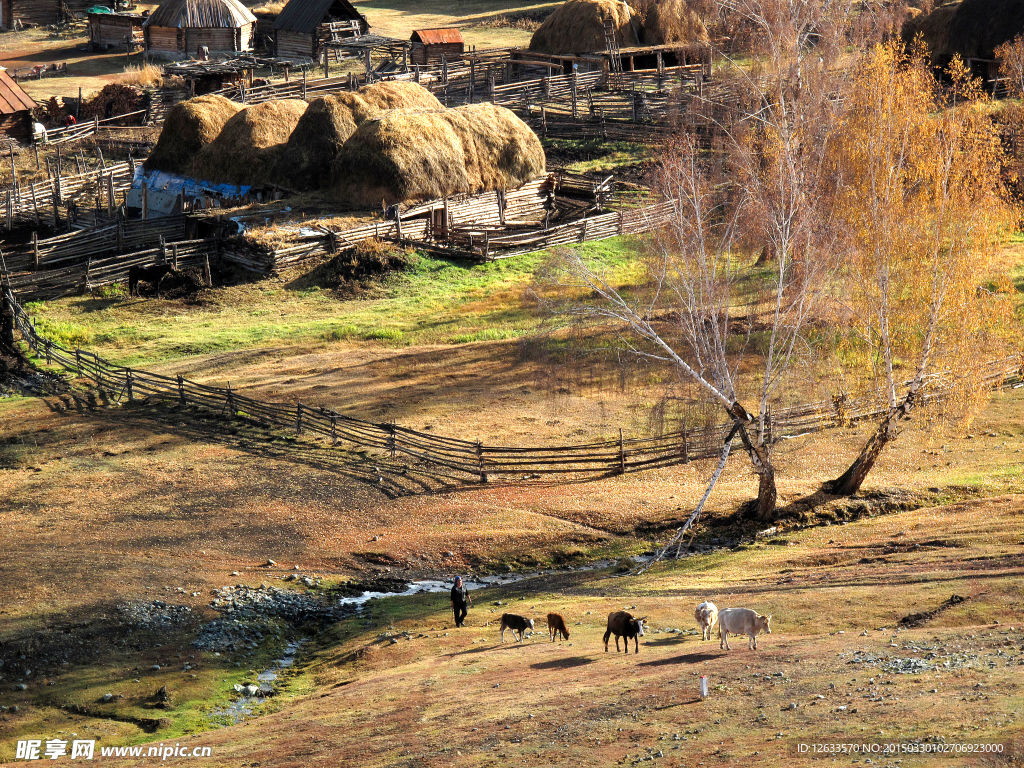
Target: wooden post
206	271
35	149
35	245
368	65
398	223
129	384
110	196
145	201
53	199
286	73
181	389
480	461
327	65
334	428
163	250
686	454
620	222
14	173
622	454
174	255
231	402
298	418
392	438
472	78
60	196
575	111
49	352
78	106
544	121
303	84
119	234
444	70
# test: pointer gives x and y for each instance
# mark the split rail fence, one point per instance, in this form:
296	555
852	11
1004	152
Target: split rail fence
459	457
34	203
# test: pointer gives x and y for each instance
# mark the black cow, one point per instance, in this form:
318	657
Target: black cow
622	624
517	624
152	275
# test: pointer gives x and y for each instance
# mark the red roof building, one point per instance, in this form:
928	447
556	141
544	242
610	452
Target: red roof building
429	45
15	109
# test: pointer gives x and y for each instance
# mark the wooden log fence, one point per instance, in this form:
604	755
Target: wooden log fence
437	453
26	203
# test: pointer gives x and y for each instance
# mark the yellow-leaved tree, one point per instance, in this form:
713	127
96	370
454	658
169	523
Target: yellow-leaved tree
918	192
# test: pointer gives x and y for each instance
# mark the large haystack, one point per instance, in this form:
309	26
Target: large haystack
673	21
577	26
329	121
249	145
972	29
188	127
408	155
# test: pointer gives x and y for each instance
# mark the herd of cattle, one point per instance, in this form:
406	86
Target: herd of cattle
736	621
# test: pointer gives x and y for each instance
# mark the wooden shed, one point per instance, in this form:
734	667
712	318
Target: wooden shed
15	109
108	30
179	28
431	44
303	26
41	12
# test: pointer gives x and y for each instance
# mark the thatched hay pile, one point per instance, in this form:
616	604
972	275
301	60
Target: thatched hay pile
408	155
673	21
328	122
577	26
188	127
250	144
970	28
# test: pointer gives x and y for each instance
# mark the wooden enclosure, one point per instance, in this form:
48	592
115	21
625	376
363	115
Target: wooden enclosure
179	28
304	26
116	30
430	45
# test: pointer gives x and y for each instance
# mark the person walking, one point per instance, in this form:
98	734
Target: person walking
460	601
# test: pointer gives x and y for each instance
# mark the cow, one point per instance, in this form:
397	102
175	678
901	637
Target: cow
622	624
153	275
706	615
742	621
556	626
516	624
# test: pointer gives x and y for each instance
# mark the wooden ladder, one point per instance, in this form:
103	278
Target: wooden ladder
614	57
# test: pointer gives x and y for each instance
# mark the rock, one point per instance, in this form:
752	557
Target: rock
792	705
235	573
20	687
15	709
155	667
270	562
107	698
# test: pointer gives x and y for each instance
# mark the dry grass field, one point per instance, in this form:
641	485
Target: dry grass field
109	506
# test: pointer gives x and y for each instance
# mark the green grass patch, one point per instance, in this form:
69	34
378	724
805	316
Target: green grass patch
434	301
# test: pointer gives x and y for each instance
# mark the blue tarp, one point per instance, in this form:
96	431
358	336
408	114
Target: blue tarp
173	184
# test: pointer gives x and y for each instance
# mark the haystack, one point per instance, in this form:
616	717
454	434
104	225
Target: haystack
673	21
249	145
577	26
408	155
188	127
329	121
972	29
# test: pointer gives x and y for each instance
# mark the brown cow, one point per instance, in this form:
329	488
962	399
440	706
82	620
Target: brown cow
556	626
622	624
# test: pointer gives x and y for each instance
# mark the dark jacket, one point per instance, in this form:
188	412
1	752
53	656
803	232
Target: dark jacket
460	595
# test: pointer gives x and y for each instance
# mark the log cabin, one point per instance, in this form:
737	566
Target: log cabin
41	12
303	26
429	45
15	110
115	30
179	28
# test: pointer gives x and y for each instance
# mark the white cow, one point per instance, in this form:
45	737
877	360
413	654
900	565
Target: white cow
742	621
706	615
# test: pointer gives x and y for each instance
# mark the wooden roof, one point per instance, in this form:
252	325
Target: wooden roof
12	98
200	14
306	15
437	36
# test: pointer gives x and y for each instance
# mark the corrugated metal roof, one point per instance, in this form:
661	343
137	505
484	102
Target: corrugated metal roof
12	98
305	15
437	36
192	14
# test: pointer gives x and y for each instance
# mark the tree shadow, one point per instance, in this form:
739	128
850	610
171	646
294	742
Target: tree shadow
689	658
566	663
